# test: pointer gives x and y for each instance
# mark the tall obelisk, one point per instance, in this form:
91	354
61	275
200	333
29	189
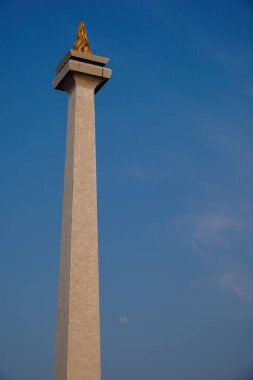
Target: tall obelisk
81	74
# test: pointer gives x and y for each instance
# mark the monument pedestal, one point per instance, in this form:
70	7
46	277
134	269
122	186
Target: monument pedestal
78	328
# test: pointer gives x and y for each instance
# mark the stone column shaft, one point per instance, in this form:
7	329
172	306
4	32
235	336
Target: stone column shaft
78	327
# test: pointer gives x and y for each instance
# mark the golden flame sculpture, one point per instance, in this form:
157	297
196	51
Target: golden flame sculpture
82	43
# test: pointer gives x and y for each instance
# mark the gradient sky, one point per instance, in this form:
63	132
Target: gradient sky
175	185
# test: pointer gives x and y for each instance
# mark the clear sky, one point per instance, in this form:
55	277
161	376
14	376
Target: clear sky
175	184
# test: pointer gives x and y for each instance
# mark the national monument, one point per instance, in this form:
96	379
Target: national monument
81	74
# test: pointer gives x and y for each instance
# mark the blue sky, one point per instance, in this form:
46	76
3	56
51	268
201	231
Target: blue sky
175	185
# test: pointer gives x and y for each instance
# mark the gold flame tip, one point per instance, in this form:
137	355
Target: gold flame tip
82	42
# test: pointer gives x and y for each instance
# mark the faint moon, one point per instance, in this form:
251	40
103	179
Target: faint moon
123	320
